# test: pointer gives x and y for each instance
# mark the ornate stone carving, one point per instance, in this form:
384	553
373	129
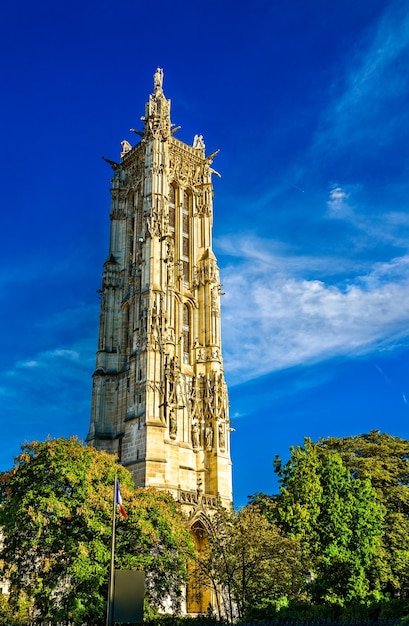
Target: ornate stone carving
154	386
207	271
158	80
172	379
214	299
111	277
195	434
173	427
170	260
126	147
208	354
118	214
153	223
209	437
198	142
198	498
222	436
185	168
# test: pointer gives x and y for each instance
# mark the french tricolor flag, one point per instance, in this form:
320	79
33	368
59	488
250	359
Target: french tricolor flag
118	499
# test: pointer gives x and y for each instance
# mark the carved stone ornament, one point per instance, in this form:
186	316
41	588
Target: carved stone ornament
222	436
195	435
126	147
209	437
207	271
172	424
158	79
198	142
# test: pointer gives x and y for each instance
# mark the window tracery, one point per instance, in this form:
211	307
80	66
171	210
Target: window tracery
186	335
185	252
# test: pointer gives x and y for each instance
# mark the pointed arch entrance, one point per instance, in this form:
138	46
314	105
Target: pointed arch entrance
199	598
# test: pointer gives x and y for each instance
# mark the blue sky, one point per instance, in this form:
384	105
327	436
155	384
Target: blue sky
308	102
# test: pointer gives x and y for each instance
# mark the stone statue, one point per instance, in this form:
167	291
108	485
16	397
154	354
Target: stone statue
126	147
195	435
209	437
198	142
172	424
158	79
213	298
222	442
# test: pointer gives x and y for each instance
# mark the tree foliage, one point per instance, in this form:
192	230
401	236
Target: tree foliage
248	563
154	538
56	516
384	460
338	519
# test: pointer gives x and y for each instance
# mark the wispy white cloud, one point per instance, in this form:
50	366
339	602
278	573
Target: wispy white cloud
42	384
50	389
27	364
370	228
337	202
283	259
370	87
44	360
272	320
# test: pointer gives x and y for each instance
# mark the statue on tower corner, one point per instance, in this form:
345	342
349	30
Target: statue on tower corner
198	142
158	80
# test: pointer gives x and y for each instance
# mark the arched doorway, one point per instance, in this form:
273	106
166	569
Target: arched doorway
198	596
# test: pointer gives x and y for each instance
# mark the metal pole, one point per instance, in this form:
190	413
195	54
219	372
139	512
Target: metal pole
110	606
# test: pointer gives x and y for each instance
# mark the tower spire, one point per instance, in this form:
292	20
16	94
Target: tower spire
157	111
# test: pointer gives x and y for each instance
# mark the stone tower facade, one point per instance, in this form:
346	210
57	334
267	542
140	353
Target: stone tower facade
159	397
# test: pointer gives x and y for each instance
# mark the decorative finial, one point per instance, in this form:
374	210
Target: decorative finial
158	80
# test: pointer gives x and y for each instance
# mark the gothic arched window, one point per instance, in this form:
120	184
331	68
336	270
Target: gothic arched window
131	202
185	237
172	208
138	201
186	334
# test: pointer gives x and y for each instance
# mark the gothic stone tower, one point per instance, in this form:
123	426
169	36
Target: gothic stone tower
159	396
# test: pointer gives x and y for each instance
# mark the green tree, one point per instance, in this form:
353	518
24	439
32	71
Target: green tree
155	538
384	460
338	519
249	563
299	504
13	615
56	513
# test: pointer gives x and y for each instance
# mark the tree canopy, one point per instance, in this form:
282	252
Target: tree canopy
56	517
338	519
383	460
249	563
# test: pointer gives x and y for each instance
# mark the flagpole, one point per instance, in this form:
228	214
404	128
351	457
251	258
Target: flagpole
110	606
